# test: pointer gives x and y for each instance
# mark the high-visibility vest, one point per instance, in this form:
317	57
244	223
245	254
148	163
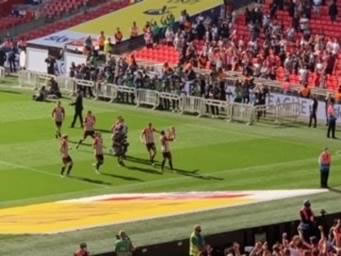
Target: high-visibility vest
194	243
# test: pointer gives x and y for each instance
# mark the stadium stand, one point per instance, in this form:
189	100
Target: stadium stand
75	20
10	21
251	35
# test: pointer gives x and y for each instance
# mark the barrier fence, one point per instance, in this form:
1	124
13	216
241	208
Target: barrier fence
227	110
2	72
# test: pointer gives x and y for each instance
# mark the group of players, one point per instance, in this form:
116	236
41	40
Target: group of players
119	141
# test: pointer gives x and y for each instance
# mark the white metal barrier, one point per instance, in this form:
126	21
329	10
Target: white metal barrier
279	112
125	90
33	79
243	112
216	108
170	101
190	104
147	97
66	85
288	111
2	72
106	91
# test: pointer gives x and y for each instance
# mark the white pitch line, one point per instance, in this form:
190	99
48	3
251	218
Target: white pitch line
47	173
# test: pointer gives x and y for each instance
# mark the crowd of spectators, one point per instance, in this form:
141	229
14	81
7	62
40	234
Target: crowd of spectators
212	42
312	239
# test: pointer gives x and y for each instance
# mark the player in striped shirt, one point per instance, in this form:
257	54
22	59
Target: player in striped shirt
98	148
58	115
89	127
165	140
66	159
147	137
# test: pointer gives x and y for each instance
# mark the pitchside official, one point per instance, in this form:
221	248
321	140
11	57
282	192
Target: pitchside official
325	161
78	103
331	119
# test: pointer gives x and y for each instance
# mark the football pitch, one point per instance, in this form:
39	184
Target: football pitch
209	155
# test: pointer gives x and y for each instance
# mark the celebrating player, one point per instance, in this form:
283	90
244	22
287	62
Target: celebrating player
67	160
119	141
89	127
165	139
98	147
147	137
58	114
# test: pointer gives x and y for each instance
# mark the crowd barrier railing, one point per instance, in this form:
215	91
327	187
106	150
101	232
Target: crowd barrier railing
2	72
191	104
247	113
170	101
106	91
216	108
147	97
280	112
243	113
34	80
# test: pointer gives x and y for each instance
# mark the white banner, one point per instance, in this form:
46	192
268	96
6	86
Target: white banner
276	98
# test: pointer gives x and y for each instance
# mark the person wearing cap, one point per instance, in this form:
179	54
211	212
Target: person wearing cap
82	251
196	242
325	161
123	246
307	224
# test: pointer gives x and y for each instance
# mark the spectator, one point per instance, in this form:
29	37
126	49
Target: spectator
197	242
134	31
41	95
51	62
54	91
12	60
123	246
108	48
307	224
118	36
82	251
101	41
305	92
333	11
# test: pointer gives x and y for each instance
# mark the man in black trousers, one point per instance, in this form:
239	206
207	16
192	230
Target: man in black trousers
331	119
313	110
78	103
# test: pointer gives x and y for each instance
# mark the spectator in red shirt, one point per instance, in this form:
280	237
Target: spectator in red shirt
307	225
82	251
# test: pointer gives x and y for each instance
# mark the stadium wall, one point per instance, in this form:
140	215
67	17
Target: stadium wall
245	237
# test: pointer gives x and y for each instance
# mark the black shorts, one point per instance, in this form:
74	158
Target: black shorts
59	124
67	159
100	158
167	155
151	146
89	133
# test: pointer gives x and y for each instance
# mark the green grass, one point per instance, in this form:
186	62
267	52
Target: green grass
227	156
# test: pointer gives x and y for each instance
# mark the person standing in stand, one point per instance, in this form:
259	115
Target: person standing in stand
325	161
